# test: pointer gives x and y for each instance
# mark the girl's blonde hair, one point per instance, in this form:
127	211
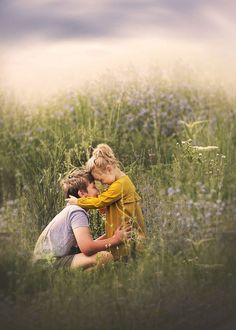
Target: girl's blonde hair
101	157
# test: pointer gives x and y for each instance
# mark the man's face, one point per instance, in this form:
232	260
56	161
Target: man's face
92	190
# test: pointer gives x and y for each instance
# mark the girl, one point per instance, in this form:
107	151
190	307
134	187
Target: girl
120	199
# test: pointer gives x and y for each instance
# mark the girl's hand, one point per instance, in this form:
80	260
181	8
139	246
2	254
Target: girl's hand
72	200
123	233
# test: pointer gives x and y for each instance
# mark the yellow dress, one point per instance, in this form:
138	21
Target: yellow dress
122	207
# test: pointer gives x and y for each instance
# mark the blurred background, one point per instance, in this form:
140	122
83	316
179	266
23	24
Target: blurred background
48	46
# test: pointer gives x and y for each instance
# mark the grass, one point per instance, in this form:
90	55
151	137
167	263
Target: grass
160	130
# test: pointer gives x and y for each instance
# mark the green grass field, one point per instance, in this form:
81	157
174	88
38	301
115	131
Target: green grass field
176	139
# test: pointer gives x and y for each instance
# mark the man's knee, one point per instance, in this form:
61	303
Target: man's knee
103	257
98	259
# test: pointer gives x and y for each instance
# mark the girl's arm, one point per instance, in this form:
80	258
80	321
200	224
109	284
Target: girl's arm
108	197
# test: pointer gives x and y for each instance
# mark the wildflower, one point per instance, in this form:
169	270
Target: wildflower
193	124
40	129
170	191
189	203
130	118
208	214
164	114
208	148
151	155
143	112
71	109
12	202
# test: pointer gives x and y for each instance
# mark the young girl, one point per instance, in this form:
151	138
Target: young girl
120	199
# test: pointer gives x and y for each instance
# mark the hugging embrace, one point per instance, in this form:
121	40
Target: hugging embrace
67	240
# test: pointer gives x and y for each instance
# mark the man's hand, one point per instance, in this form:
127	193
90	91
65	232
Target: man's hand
102	210
123	234
72	200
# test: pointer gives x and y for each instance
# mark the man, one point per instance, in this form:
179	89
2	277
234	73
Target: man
70	228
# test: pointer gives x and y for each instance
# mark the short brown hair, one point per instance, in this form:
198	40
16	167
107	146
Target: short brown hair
75	181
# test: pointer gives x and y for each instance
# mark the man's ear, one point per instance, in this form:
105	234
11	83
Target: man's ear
82	193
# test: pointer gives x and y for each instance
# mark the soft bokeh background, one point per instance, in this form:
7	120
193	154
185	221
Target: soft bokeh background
174	131
53	45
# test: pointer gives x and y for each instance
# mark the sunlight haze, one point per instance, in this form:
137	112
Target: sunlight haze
53	46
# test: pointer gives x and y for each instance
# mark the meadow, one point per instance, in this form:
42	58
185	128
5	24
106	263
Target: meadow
176	138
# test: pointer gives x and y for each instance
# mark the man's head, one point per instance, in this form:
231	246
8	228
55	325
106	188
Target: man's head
79	183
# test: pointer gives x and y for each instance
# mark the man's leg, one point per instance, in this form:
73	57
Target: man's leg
99	259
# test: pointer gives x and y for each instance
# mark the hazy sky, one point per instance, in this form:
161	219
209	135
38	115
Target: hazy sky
48	45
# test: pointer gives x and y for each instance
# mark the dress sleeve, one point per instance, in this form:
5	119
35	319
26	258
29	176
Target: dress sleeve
108	197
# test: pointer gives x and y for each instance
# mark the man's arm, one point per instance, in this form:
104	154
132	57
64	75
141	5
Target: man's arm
102	237
88	246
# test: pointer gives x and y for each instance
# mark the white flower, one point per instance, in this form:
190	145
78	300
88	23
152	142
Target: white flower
170	191
208	148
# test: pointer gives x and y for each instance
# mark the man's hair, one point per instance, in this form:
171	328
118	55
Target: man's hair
76	180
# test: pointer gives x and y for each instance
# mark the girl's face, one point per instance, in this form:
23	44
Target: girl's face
105	177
